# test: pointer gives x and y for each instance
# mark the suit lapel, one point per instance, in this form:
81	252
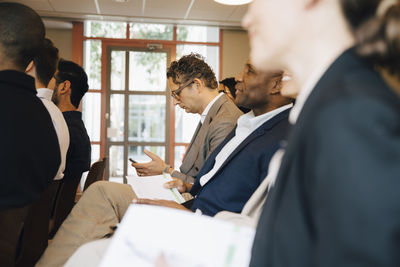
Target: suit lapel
266	126
198	138
321	94
194	136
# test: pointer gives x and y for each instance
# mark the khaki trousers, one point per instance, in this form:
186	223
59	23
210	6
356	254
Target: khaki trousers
101	207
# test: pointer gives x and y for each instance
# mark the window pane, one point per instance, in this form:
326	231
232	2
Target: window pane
105	29
185	125
197	34
147	71
151	31
116	155
117	107
118	70
209	52
136	153
95	153
179	154
146	118
91	105
92	62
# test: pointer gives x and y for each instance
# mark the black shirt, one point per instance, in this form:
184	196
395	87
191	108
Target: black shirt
79	151
29	154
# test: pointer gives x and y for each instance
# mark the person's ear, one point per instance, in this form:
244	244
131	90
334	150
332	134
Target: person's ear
30	67
66	87
198	84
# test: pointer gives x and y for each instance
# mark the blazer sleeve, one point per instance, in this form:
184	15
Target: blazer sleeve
183	177
217	133
352	184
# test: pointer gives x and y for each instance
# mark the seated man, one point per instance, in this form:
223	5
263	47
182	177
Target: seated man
30	154
194	88
228	178
69	85
42	68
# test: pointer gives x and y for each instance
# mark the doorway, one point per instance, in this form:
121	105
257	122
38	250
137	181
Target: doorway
137	107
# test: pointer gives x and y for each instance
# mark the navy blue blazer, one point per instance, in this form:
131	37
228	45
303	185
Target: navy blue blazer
336	200
242	172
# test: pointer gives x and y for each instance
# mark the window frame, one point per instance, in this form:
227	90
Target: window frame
78	39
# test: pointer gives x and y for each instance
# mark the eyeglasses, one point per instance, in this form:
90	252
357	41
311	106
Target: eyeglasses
175	94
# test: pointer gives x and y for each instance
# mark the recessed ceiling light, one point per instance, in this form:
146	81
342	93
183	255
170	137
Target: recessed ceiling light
233	2
121	1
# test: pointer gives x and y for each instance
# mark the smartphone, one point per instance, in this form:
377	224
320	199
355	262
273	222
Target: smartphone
133	161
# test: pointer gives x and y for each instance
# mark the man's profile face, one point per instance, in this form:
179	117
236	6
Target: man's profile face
52	83
252	87
187	98
55	96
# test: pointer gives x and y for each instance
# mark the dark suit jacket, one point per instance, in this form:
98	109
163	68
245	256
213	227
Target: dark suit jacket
336	201
29	150
243	171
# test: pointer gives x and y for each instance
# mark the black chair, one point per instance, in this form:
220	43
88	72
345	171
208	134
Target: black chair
64	201
36	227
96	173
11	224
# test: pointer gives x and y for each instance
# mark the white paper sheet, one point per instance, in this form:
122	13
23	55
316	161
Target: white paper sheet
152	187
185	239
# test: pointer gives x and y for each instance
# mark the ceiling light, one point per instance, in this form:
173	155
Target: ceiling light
233	2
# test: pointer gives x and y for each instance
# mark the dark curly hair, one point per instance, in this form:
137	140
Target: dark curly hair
189	67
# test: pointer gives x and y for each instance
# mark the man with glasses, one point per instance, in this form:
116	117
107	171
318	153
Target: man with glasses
234	171
194	88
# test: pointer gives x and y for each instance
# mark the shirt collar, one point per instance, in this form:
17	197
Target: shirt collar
45	93
208	107
252	122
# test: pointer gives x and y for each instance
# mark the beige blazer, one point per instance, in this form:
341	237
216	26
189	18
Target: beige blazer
219	122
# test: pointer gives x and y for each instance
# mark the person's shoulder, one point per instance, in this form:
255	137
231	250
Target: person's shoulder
228	111
363	114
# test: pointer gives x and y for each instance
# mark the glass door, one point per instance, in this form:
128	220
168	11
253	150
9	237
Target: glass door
137	108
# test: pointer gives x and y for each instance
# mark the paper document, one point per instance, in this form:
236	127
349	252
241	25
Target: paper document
185	239
152	187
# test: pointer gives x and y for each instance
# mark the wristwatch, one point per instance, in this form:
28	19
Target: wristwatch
166	169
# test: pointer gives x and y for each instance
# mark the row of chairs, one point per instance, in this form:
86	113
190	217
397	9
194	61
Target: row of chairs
25	230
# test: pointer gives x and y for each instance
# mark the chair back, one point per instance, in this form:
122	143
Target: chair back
11	225
36	227
96	173
64	201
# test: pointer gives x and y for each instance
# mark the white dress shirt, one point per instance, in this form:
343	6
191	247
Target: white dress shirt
246	125
208	107
59	125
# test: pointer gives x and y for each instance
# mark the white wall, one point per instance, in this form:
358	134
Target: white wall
62	39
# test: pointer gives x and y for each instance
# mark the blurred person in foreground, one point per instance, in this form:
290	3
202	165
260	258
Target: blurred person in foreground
335	200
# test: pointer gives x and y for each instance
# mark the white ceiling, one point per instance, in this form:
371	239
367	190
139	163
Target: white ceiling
203	12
